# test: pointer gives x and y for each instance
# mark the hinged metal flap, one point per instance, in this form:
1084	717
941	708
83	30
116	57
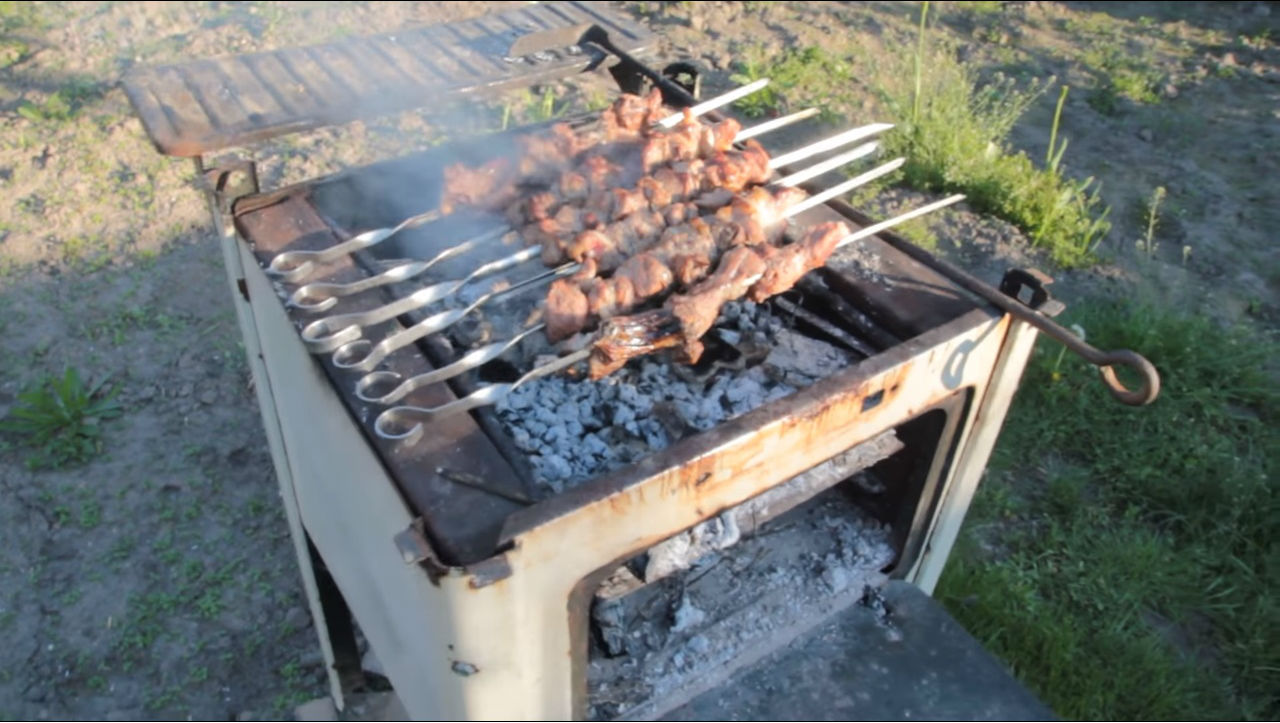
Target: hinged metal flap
206	105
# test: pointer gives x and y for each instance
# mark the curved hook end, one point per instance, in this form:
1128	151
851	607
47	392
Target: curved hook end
319	337
302	300
353	355
1143	395
391	426
376	387
289	269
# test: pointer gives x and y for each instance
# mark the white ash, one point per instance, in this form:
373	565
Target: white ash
677	553
663	643
687	616
575	429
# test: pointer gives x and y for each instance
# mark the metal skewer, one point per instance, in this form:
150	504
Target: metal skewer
331	332
775	124
844	187
363	355
406	422
853	135
830	164
711	104
322	296
389	387
876	228
293	266
319	296
342	332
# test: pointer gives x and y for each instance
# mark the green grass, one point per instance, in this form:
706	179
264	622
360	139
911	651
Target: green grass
1130	572
953	128
60	419
61	105
1120	65
1119	73
805	78
18	16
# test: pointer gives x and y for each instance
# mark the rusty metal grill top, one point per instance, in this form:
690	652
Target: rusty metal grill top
193	108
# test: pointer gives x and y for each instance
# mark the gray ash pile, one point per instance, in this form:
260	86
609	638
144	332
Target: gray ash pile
576	429
664	643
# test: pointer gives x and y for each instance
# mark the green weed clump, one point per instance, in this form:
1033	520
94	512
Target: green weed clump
60	418
806	78
953	129
62	105
1131	572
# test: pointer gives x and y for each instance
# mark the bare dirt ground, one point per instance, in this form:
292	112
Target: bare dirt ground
158	581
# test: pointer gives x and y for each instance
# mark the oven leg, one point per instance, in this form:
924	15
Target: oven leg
975	451
219	204
339	625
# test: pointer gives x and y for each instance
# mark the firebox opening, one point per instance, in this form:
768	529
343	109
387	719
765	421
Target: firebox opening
892	491
682	617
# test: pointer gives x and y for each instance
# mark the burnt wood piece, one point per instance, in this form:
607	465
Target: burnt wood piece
193	108
462	522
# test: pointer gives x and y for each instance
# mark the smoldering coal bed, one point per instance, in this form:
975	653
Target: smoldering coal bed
575	429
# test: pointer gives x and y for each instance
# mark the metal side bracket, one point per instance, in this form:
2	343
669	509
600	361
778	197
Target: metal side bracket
1030	286
1035	306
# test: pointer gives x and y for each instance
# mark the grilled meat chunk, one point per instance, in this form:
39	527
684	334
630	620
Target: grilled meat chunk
755	271
787	264
697	310
566	309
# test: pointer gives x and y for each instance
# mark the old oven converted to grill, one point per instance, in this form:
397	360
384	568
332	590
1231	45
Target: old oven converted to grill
604	548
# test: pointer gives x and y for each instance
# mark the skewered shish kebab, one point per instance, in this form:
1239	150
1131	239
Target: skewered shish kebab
679	254
364	355
589	183
329	333
592	183
641	334
631	119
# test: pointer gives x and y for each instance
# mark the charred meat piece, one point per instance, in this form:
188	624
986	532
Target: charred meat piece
628	337
633	113
688	140
568	221
648	276
541	158
739	169
758	211
688	251
611	244
684	182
